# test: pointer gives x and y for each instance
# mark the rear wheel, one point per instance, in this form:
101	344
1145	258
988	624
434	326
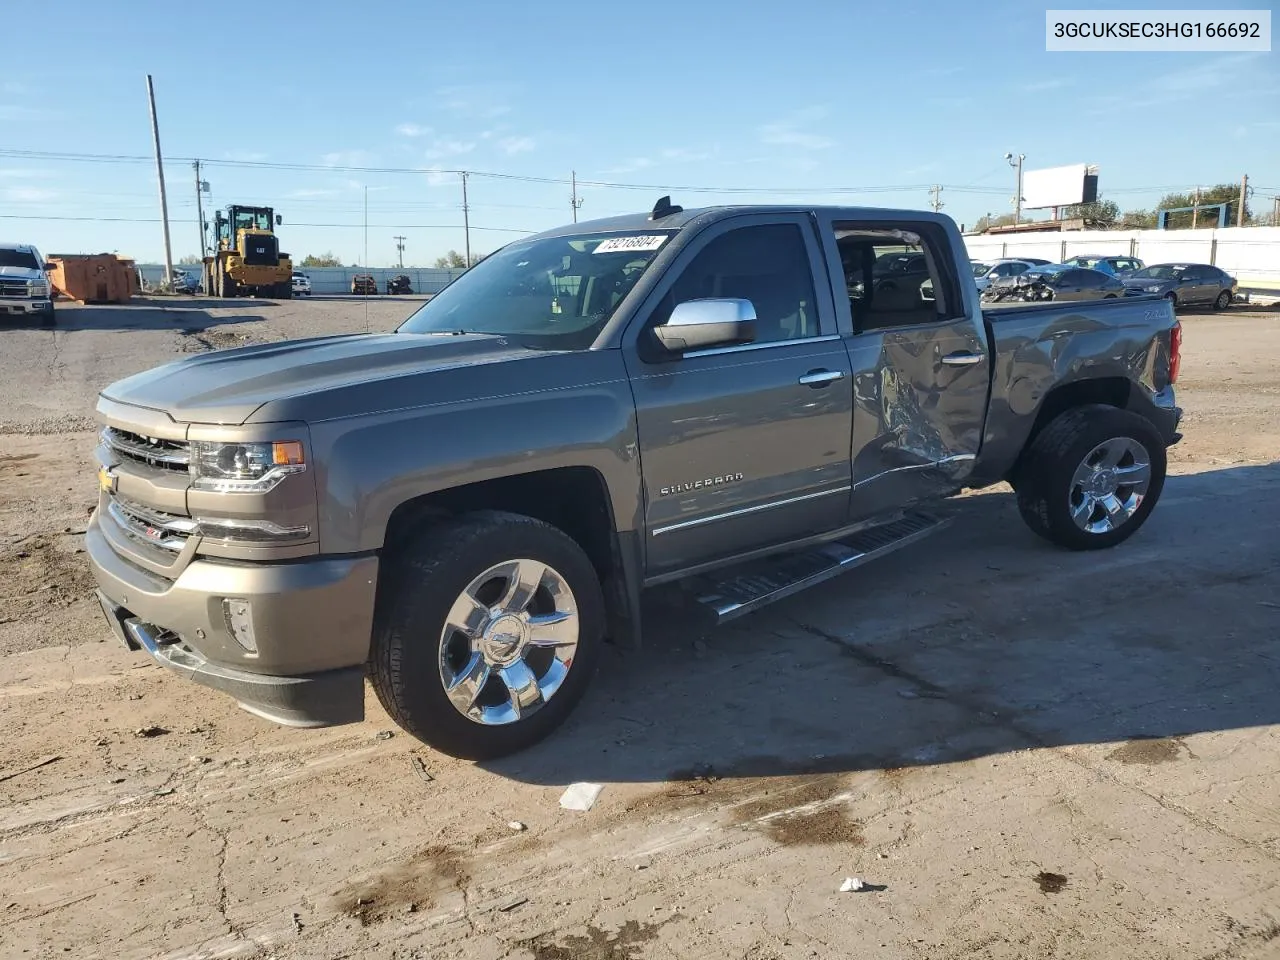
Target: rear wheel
487	632
1223	301
1173	300
1091	478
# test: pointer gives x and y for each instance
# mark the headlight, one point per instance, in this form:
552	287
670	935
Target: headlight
37	288
244	467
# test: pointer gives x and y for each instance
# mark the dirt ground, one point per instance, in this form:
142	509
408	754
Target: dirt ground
1024	753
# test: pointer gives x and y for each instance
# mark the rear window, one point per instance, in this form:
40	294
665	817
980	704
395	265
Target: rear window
19	258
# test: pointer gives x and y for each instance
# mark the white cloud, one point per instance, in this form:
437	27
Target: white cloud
629	166
348	158
512	145
29	194
1052	83
24	173
448	148
13	88
439	178
681	155
789	132
413	130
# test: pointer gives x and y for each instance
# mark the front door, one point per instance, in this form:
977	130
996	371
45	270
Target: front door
921	370
743	446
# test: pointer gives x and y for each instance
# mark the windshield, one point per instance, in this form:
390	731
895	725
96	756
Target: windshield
1165	272
19	258
252	220
1084	261
556	293
981	269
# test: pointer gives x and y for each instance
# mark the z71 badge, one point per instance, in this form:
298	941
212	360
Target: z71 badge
700	484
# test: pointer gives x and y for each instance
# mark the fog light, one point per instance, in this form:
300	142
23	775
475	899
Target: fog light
239	617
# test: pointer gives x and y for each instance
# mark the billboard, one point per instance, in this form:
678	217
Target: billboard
1059	186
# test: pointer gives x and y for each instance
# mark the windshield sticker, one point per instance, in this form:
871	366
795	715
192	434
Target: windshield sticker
630	244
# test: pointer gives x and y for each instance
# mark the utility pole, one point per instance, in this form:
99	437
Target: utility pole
574	200
1016	163
365	262
1275	211
1195	208
466	221
935	197
400	249
200	188
1244	193
164	203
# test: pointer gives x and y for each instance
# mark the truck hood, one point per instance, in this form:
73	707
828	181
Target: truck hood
228	386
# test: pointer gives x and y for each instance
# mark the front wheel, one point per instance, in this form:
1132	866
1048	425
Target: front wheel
1091	478
488	630
47	317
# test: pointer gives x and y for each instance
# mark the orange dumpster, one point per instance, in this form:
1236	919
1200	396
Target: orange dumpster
93	278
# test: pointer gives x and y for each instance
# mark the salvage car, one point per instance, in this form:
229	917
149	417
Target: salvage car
1185	284
690	396
363	284
1056	282
1116	266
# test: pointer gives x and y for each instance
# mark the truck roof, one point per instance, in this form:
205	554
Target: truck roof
683	218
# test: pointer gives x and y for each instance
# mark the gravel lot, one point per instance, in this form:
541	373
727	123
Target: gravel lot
1023	752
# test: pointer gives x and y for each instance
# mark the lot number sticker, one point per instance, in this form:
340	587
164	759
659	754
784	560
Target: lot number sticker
630	244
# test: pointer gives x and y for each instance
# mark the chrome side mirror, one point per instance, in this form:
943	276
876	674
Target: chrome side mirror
698	324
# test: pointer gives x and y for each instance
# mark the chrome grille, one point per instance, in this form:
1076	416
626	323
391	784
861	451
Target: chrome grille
13	288
150	527
153	451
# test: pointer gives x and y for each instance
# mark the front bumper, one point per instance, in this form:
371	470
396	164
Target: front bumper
312	621
19	305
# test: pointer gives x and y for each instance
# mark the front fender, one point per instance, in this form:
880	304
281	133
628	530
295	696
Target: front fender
370	465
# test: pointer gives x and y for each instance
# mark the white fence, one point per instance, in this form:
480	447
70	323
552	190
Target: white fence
1250	254
327	281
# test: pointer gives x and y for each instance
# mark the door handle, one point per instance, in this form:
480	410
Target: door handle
820	378
961	359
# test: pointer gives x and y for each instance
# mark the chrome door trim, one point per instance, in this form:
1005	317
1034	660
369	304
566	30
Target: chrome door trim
962	359
744	347
819	377
743	511
957	458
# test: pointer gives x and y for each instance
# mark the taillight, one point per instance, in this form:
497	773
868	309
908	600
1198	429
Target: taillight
1175	352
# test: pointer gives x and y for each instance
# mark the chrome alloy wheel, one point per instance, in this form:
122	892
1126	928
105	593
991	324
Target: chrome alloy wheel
1108	486
508	642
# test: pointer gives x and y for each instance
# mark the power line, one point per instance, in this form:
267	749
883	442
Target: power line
571	181
348	226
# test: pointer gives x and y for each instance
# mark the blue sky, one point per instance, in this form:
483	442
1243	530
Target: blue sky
781	102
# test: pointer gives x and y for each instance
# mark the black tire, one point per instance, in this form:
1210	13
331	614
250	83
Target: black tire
47	317
1173	300
284	291
1044	478
1223	301
421	582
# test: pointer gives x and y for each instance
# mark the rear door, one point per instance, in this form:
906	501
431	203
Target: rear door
743	446
921	370
1203	284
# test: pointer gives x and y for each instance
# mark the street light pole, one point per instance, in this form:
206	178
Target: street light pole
1016	163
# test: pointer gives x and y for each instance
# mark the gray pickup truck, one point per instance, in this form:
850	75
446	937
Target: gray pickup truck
465	509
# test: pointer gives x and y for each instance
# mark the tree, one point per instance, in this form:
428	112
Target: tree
1137	220
1103	213
324	260
190	260
1228	193
987	222
453	260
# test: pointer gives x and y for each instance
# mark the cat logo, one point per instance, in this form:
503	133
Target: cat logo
692	485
